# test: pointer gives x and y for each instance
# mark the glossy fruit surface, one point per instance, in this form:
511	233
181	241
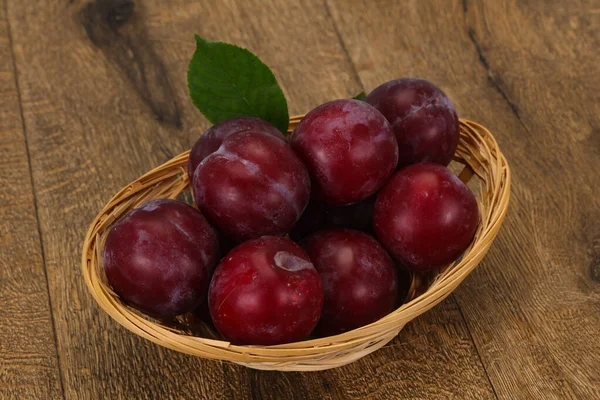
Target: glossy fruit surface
359	279
254	185
159	257
425	216
265	291
423	118
211	140
348	148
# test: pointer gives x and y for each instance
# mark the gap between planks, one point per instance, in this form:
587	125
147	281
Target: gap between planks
35	200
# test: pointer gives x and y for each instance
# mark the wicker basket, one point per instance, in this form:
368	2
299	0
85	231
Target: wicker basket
477	151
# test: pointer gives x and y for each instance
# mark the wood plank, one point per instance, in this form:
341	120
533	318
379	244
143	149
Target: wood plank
28	357
544	56
122	109
11	127
524	69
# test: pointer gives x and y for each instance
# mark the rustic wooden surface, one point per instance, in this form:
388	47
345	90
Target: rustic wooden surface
28	357
93	93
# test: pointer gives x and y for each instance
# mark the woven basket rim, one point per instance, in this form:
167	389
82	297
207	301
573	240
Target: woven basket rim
488	164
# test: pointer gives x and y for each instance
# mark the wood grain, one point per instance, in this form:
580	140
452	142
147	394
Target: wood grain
122	109
525	70
103	94
432	358
545	55
28	358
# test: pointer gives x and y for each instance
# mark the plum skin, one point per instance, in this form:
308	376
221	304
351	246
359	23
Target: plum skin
266	291
360	281
211	140
254	185
423	118
425	216
321	216
358	216
160	256
349	150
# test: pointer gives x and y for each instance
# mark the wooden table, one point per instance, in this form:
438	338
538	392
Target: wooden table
93	94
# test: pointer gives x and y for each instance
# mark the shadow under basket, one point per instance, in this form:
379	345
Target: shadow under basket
485	169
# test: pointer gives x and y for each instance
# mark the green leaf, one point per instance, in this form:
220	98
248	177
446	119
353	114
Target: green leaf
361	96
227	81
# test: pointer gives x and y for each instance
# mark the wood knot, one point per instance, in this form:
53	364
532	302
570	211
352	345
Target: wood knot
130	51
595	269
100	16
118	12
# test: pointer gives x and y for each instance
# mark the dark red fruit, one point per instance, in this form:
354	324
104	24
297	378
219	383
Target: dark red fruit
348	148
359	279
265	291
404	283
211	140
311	221
160	256
423	118
253	185
357	216
425	216
320	216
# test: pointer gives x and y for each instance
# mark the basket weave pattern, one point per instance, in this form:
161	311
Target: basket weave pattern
477	151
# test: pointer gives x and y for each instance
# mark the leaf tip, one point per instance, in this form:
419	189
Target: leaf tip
361	96
199	40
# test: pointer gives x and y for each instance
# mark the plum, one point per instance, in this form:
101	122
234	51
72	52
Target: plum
357	216
360	281
349	150
254	185
311	220
266	291
423	118
212	139
425	216
159	257
320	216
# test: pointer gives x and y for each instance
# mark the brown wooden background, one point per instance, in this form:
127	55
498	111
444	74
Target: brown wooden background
93	94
